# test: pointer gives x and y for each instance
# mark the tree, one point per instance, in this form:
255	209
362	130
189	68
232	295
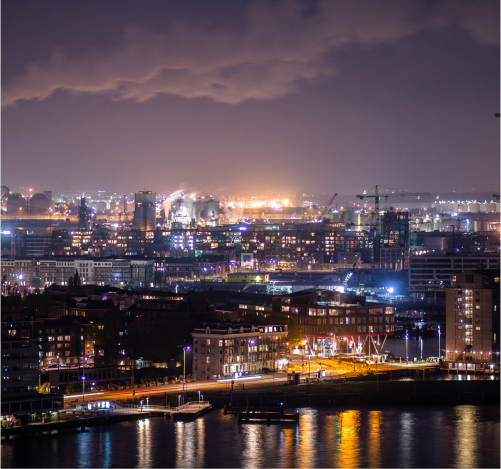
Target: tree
43	389
76	279
70	389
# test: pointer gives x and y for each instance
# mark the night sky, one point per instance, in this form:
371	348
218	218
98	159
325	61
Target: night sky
243	97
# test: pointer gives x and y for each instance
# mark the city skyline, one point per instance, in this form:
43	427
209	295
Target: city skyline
251	98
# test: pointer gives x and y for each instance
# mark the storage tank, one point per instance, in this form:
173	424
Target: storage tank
99	205
437	224
5	194
39	204
490	207
16	204
212	209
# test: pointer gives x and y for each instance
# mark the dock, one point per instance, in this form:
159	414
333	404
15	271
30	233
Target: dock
190	410
268	417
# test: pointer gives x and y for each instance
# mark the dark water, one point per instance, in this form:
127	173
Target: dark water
461	436
417	347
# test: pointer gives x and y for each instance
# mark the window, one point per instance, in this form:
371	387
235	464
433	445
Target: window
60	338
67	337
477	328
208	341
220	343
208	359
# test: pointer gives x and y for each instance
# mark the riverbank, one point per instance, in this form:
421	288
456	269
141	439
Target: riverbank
364	393
79	424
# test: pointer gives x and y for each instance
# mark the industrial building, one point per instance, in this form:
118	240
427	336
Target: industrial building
430	273
145	211
185	210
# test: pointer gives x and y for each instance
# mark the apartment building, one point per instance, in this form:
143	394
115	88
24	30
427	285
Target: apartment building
472	317
232	349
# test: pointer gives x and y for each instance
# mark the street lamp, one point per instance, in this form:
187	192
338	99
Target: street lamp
406	346
178	400
439	343
83	378
198	397
187	347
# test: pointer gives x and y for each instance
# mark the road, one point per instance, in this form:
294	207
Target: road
193	387
333	367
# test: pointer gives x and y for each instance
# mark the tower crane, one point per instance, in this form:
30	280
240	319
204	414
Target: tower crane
327	206
376	228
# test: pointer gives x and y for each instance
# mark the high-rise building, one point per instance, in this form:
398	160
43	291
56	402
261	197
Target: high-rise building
83	214
395	241
472	317
145	211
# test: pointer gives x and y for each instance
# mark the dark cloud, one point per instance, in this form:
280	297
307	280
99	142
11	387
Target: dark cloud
278	49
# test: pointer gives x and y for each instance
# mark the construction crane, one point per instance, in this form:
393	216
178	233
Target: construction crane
327	206
376	225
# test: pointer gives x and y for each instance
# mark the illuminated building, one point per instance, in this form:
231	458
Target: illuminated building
331	319
395	241
20	399
430	273
472	317
230	350
18	272
145	211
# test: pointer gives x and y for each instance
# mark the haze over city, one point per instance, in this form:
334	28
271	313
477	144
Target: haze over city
254	233
250	98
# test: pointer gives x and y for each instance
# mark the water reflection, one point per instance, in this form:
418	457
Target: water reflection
287	447
200	461
307	439
349	451
462	436
252	455
374	446
85	450
105	450
406	437
190	443
465	437
144	443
